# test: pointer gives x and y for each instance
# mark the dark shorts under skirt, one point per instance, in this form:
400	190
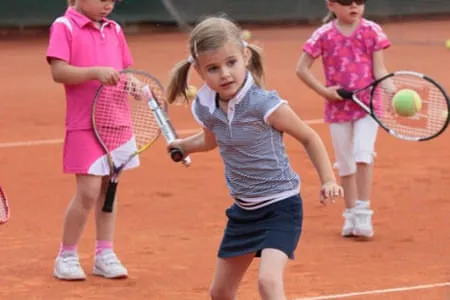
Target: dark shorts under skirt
276	226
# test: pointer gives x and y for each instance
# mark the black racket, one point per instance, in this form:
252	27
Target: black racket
427	123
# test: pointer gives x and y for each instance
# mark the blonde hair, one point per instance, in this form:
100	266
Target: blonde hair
330	16
210	34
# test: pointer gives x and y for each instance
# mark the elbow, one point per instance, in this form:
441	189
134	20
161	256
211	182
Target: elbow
301	72
56	76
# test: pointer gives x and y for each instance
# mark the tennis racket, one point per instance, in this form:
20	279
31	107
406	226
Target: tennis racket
376	99
127	119
4	207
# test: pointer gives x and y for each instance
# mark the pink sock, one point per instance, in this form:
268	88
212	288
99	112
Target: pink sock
102	245
66	248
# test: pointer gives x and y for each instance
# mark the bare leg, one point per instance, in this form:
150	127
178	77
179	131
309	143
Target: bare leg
228	275
271	271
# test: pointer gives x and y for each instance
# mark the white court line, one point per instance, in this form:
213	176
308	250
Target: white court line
374	292
59	141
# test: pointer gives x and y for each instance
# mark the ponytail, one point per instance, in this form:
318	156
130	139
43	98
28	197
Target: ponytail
255	65
330	16
178	81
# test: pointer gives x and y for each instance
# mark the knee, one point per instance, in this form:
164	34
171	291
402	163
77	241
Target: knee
85	200
268	284
221	293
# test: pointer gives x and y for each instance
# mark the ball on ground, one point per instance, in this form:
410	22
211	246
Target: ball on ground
447	44
246	35
406	103
191	92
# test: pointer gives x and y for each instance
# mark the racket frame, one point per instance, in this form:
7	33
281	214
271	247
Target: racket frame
352	95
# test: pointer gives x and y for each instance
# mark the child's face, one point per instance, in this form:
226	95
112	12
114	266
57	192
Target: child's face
224	69
95	9
347	11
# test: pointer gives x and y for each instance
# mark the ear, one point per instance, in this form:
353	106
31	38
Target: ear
247	55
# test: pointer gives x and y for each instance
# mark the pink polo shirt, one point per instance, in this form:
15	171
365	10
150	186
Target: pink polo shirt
347	62
75	39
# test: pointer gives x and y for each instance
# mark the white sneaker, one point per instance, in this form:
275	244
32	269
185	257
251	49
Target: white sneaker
67	267
109	266
363	223
349	223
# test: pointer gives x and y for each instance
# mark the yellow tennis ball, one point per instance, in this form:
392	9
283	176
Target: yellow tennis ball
406	103
246	35
447	44
444	114
191	92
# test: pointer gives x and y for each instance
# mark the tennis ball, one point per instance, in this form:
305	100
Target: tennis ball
447	44
246	35
406	103
191	92
444	114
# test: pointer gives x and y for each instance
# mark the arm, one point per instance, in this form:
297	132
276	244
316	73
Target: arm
284	119
304	73
379	71
64	73
200	142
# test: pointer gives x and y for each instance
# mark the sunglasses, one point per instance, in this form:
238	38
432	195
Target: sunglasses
349	2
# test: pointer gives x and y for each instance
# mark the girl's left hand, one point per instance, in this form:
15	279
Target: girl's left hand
329	191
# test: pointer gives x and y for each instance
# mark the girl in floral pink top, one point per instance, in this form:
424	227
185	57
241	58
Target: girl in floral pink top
351	48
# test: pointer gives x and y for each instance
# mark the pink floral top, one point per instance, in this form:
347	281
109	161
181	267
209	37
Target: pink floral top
347	62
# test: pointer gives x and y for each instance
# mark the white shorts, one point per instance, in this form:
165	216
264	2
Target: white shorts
353	142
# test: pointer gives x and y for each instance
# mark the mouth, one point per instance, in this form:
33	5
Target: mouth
226	84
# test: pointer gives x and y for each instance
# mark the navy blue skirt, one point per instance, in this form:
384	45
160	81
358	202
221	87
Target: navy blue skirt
276	226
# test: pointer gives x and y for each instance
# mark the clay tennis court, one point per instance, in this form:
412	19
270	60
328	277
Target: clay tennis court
171	218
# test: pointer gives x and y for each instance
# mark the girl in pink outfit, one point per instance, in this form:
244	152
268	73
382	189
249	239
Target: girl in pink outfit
351	48
86	50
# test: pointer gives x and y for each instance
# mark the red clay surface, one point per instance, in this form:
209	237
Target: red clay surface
171	218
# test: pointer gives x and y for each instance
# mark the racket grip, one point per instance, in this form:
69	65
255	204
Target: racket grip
110	196
345	94
176	154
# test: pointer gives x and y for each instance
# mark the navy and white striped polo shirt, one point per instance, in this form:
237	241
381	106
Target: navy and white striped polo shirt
257	169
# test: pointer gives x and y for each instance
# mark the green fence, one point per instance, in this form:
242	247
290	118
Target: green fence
20	13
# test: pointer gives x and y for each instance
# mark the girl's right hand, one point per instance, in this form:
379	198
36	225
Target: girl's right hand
177	144
331	93
107	75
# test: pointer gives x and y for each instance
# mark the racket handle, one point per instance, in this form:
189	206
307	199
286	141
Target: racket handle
345	94
176	154
110	196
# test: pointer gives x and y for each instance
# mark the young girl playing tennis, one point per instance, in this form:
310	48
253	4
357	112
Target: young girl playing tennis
247	123
85	50
352	53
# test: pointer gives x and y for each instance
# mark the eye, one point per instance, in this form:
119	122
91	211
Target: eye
231	62
213	69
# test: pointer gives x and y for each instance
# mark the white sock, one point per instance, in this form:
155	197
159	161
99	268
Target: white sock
365	204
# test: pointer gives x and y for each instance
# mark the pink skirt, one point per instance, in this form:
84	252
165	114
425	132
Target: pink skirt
83	154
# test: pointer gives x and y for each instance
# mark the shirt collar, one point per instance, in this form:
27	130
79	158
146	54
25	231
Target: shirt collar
207	97
80	19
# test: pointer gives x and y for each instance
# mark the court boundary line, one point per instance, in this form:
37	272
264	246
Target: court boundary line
41	142
379	291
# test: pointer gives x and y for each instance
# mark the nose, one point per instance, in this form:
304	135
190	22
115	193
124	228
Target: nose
225	72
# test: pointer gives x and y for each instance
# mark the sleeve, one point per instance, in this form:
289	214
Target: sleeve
380	39
127	58
195	112
268	104
313	45
60	40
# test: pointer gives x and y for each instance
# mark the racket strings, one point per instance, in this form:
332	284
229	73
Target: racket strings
426	122
122	116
